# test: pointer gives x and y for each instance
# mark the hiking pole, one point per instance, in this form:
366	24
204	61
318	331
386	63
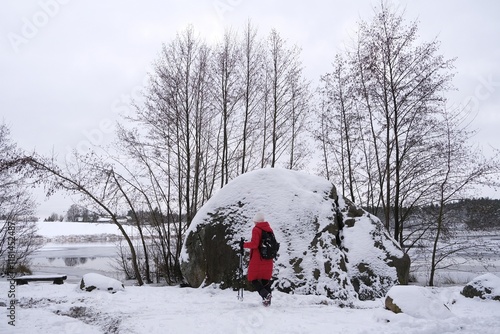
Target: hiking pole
240	272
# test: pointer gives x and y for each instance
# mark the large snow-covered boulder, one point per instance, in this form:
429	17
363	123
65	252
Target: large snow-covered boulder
486	286
416	301
329	246
92	281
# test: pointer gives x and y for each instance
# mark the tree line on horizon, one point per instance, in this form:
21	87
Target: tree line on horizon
476	213
378	123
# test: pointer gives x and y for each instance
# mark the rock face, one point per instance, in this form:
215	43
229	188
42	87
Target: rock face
329	246
485	287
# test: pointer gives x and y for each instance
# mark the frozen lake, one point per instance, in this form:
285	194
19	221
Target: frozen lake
86	250
70	253
75	249
76	260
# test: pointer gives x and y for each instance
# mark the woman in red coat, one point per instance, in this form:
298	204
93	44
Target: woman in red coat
259	270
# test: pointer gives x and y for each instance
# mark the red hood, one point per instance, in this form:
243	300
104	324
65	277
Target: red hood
264	226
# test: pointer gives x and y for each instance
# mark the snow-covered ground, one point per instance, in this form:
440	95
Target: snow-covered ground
47	308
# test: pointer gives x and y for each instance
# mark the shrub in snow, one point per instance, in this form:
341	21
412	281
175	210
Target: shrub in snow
417	302
329	246
485	287
92	281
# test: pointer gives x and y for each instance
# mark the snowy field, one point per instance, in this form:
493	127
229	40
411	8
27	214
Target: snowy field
47	308
44	307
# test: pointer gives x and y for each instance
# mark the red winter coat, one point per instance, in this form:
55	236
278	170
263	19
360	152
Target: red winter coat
258	267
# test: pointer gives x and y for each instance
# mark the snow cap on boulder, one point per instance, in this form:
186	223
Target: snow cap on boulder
92	281
486	286
416	301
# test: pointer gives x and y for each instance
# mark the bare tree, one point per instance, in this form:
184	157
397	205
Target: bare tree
175	138
252	62
397	84
342	125
300	108
178	115
227	97
459	169
90	177
322	136
17	228
145	182
286	87
407	82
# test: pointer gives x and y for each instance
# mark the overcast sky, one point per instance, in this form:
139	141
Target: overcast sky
68	67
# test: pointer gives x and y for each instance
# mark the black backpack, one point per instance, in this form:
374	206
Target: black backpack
268	247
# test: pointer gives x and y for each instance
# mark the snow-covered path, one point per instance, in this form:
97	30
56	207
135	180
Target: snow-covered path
47	308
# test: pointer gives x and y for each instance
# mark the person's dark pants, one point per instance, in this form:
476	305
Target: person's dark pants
263	286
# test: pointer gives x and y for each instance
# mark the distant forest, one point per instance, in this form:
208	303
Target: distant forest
473	213
479	213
